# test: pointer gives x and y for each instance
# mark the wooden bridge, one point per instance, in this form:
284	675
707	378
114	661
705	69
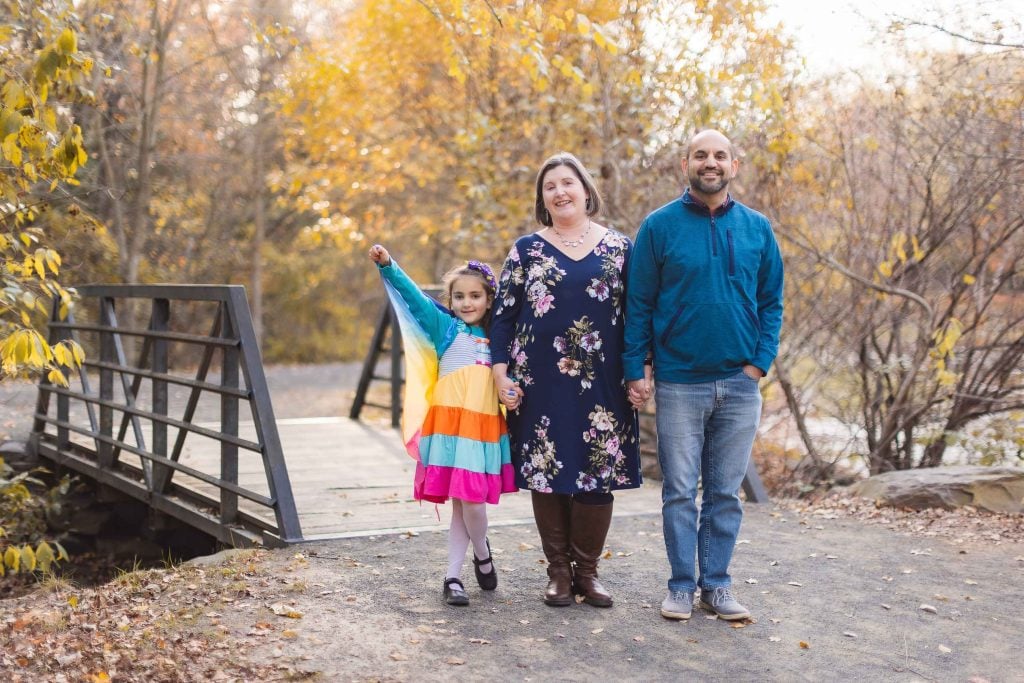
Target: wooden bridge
226	471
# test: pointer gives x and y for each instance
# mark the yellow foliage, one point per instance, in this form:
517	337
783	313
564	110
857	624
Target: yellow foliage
918	252
12	558
469	98
42	148
899	241
44	556
28	559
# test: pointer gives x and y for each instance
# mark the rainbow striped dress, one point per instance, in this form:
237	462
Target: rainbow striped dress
452	423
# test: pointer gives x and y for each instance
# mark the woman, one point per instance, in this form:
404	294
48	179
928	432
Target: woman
556	342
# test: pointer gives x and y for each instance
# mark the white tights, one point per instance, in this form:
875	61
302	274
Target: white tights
469	523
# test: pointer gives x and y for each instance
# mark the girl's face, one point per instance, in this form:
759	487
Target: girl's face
469	299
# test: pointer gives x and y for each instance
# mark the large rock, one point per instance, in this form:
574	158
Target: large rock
996	489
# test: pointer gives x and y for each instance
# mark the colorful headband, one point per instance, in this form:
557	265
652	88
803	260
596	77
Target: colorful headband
484	270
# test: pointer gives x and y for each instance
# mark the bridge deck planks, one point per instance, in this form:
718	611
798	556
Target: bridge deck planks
352	478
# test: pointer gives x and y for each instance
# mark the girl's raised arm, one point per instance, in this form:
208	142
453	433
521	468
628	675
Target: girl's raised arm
434	320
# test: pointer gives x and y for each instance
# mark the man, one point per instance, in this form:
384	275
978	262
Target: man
704	307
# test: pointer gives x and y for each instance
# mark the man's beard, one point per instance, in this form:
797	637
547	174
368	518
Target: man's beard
709	188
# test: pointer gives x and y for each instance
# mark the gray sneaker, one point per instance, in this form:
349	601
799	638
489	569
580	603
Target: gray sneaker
722	602
677	605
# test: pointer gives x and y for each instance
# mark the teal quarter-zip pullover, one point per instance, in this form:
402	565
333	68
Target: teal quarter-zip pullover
704	293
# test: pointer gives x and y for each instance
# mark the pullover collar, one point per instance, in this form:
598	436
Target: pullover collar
699	207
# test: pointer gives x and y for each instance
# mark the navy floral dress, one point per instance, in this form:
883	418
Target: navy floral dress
558	325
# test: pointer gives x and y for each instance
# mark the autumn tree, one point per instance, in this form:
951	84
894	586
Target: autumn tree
909	327
42	70
422	124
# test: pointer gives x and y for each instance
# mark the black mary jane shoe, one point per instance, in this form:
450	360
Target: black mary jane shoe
489	581
455	592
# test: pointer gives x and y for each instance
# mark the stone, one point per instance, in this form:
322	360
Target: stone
220	558
18	455
15	448
995	489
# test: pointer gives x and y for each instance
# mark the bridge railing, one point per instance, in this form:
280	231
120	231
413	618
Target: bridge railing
180	374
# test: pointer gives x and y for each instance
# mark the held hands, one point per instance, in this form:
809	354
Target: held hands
380	255
640	390
509	392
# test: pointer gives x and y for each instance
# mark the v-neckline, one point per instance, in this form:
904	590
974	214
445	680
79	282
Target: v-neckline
574	260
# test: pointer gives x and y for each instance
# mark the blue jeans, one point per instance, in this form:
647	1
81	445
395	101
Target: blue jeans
705	431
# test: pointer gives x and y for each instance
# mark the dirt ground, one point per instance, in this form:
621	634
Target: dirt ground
832	599
838	591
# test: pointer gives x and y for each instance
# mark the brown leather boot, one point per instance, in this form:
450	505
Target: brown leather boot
551	512
589	524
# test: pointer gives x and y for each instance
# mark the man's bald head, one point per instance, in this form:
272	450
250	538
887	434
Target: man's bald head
709	134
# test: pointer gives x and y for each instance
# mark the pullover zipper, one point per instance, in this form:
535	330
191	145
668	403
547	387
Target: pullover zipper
732	257
714	237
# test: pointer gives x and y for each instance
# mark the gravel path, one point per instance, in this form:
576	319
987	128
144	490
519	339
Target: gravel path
833	598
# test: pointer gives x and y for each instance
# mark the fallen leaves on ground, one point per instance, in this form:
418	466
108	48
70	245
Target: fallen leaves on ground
962	525
148	625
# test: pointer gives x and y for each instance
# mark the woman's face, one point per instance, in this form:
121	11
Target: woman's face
565	198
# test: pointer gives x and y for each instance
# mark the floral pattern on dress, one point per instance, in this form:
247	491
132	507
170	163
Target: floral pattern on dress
519	366
607	462
543	274
540	465
558	326
612	251
512	276
580	347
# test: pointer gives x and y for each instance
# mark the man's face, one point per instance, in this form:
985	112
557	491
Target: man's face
710	165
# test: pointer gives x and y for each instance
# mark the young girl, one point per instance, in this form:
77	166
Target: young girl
452	424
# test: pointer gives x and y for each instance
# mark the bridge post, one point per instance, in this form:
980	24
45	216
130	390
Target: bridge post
108	356
159	322
228	421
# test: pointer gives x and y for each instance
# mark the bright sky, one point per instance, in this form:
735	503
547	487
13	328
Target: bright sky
838	35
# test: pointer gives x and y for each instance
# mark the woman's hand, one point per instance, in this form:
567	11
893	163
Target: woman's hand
380	255
509	392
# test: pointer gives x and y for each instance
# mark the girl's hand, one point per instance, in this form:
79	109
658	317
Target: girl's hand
380	255
509	392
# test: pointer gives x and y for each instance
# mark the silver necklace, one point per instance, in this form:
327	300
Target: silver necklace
572	244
